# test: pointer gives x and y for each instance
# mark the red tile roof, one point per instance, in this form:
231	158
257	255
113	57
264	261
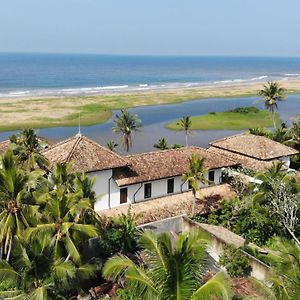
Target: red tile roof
258	147
163	164
84	154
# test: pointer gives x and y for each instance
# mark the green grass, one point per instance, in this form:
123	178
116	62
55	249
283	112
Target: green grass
98	109
229	120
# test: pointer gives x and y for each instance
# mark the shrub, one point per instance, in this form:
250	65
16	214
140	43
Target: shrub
235	262
245	110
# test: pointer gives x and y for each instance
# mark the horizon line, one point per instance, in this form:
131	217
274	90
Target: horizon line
144	55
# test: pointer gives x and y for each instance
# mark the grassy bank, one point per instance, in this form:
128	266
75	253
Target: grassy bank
64	111
237	119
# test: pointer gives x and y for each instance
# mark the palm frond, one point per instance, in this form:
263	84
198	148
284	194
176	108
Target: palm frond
218	286
115	267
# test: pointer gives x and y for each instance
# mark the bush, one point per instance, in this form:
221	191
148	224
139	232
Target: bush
118	235
235	262
245	110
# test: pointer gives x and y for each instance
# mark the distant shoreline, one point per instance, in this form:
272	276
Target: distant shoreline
41	112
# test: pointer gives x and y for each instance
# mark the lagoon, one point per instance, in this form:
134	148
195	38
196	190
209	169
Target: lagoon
155	118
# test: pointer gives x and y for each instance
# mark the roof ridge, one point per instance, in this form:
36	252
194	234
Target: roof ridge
165	151
104	148
229	137
79	138
59	143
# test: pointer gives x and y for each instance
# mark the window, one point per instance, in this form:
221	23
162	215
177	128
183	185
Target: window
123	195
211	176
170	186
147	190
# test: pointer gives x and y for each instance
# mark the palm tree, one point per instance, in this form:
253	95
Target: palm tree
35	274
186	125
161	144
112	145
194	175
168	269
27	148
18	210
62	222
126	124
285	262
272	92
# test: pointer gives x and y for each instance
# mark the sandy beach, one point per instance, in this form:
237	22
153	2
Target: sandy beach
20	112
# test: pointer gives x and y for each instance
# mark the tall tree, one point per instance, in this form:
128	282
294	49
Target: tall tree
18	210
126	124
272	92
168	269
186	125
161	144
195	174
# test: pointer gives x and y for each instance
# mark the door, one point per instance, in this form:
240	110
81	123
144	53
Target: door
123	195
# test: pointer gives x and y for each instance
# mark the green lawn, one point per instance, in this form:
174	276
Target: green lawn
229	120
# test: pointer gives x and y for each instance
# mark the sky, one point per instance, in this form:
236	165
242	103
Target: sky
152	27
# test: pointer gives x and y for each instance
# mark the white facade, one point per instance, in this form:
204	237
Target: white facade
286	161
108	192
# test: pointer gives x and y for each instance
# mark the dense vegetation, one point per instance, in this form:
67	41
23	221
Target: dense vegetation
46	222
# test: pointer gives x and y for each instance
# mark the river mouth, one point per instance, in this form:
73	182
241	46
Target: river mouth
154	119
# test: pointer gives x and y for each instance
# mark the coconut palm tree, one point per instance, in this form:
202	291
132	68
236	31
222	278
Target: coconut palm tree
186	125
126	124
27	148
272	92
195	174
35	274
161	144
112	145
18	210
168	269
62	222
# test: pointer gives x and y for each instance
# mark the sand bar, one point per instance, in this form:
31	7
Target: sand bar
21	112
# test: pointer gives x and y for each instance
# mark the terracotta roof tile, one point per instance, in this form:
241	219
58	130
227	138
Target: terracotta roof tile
244	161
254	146
84	154
4	146
163	164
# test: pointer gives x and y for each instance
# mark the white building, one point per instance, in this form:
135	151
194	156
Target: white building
134	178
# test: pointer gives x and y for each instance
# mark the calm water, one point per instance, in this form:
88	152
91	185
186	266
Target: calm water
57	74
45	74
155	118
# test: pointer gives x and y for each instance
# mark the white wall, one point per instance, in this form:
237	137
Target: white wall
286	160
105	183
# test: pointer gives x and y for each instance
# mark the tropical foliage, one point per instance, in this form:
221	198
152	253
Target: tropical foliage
43	225
168	270
186	125
261	211
271	93
194	175
126	124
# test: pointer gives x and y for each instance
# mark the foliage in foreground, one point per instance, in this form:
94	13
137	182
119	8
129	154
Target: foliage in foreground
169	267
43	225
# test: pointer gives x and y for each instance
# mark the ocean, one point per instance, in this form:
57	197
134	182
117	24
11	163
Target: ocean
71	74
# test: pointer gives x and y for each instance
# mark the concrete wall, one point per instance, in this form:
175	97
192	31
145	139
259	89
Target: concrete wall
182	223
260	270
108	192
